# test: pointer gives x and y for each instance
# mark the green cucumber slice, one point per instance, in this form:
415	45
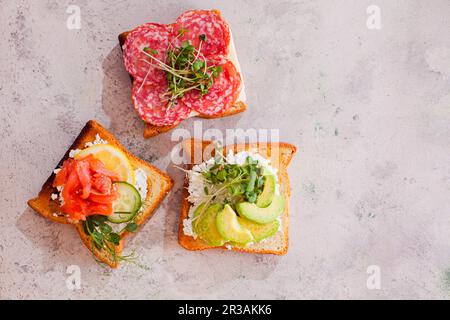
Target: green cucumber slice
127	205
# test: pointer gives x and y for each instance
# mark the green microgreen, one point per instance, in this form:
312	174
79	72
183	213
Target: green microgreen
105	228
186	68
232	182
151	51
103	237
114	238
131	227
218	154
182	31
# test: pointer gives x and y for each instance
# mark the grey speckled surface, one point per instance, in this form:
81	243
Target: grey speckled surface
368	109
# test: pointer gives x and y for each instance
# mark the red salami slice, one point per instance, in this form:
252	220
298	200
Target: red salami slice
203	22
150	103
138	64
221	95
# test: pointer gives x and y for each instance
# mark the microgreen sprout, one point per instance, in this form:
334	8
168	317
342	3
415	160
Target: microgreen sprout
186	68
103	238
231	183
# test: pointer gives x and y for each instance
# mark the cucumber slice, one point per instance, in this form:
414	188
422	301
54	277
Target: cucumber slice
127	205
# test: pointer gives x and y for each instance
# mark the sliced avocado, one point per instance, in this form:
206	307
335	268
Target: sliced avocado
205	225
198	210
260	231
261	215
229	227
265	198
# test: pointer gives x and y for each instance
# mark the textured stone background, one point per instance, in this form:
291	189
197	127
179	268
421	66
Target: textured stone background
369	111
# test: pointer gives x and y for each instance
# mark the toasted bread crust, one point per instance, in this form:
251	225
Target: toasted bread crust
238	107
286	152
158	183
151	130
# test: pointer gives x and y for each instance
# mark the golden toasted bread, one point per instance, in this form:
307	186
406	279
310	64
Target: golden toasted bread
158	185
280	155
151	130
239	106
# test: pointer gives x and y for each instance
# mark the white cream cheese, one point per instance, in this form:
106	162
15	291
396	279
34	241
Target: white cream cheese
74	152
97	140
234	58
140	178
196	186
187	228
59	195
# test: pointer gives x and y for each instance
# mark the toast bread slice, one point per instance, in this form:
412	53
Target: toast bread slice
239	106
280	155
158	185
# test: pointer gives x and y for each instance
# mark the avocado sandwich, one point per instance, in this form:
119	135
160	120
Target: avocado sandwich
236	197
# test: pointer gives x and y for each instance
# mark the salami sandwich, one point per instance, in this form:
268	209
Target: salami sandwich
184	69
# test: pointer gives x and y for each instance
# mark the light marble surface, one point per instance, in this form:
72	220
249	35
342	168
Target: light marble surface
369	111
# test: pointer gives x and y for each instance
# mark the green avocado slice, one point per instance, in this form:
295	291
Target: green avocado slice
260	231
198	210
205	225
266	197
261	215
229	227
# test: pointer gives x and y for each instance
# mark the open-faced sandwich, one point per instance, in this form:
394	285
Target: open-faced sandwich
236	198
103	190
184	69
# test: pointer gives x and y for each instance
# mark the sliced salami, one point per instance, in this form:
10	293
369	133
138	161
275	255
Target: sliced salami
138	64
195	23
150	102
221	96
